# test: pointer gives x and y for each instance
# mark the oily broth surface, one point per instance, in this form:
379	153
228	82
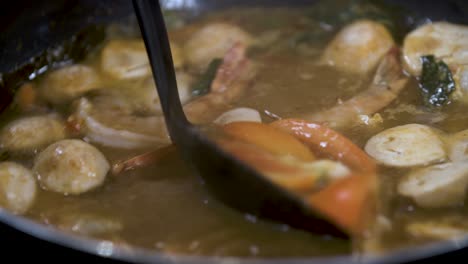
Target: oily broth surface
166	207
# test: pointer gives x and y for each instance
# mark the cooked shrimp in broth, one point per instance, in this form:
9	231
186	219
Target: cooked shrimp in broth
366	126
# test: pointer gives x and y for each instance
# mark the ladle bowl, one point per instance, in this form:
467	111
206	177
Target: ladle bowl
229	179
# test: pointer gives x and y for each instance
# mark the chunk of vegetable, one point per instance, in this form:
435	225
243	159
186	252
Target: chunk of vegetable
202	86
406	146
239	114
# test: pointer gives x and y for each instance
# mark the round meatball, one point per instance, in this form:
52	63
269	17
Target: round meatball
440	185
67	83
213	41
406	146
71	166
31	133
444	40
358	47
125	59
145	97
17	187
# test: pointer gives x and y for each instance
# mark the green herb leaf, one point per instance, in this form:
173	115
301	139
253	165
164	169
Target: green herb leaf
202	86
436	83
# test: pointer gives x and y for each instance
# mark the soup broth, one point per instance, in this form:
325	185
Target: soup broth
164	206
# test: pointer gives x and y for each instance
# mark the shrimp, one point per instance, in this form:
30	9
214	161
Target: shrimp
112	121
447	42
68	83
17	187
144	159
358	47
29	134
387	83
71	166
338	186
232	78
213	41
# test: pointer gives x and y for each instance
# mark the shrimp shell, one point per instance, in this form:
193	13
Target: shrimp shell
388	82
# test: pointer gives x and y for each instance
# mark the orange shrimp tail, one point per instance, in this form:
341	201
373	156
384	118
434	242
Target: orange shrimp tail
347	202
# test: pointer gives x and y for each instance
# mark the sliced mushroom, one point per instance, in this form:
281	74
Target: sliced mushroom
406	146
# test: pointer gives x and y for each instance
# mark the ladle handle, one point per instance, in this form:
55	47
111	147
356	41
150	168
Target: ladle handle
153	29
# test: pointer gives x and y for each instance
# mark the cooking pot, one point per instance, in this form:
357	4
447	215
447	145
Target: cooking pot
37	35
